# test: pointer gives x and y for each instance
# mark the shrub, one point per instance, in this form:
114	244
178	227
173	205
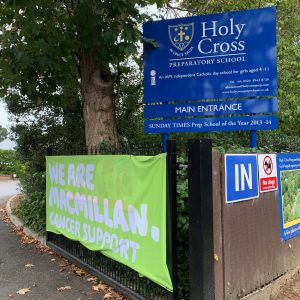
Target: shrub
182	233
8	162
33	212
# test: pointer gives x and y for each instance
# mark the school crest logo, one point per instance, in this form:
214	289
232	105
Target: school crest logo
181	35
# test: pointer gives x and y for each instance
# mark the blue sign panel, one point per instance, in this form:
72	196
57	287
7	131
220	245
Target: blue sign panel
228	55
211	124
288	173
241	177
211	108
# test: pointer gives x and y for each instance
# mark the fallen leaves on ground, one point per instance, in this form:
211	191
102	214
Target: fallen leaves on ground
291	296
101	287
77	271
109	293
63	288
4	216
28	240
42	248
23	291
108	296
91	278
64	265
25	239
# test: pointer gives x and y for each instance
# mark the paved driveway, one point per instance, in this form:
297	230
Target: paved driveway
44	277
7	189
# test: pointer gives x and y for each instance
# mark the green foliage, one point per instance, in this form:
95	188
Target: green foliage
290	187
43	44
288	66
215	6
38	68
42	48
8	162
32	178
129	107
230	141
39	83
32	142
33	212
268	142
182	233
3	133
278	142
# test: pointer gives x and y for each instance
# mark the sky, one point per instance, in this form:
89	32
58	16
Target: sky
3	116
4	122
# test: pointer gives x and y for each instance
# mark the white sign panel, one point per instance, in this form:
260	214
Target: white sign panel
267	169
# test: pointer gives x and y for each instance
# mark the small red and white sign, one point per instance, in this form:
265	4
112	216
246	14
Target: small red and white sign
267	169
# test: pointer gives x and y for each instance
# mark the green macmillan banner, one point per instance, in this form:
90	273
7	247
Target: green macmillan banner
115	204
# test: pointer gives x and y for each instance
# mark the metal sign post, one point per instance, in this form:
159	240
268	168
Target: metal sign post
201	247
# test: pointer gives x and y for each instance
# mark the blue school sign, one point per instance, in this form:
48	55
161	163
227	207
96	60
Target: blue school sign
211	124
212	108
228	55
241	177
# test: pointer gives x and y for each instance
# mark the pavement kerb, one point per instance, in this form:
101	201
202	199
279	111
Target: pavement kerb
18	223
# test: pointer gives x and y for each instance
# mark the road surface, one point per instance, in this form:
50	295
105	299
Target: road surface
44	276
8	188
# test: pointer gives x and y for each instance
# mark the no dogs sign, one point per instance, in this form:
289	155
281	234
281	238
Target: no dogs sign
267	172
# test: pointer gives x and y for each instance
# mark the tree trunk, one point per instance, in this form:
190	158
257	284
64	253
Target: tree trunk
98	101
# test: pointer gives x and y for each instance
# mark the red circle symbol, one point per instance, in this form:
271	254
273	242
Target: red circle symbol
268	165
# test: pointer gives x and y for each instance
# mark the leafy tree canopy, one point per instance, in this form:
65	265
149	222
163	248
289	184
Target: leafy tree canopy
66	57
60	61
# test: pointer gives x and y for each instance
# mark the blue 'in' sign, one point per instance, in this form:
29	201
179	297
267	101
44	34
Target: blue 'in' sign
241	177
